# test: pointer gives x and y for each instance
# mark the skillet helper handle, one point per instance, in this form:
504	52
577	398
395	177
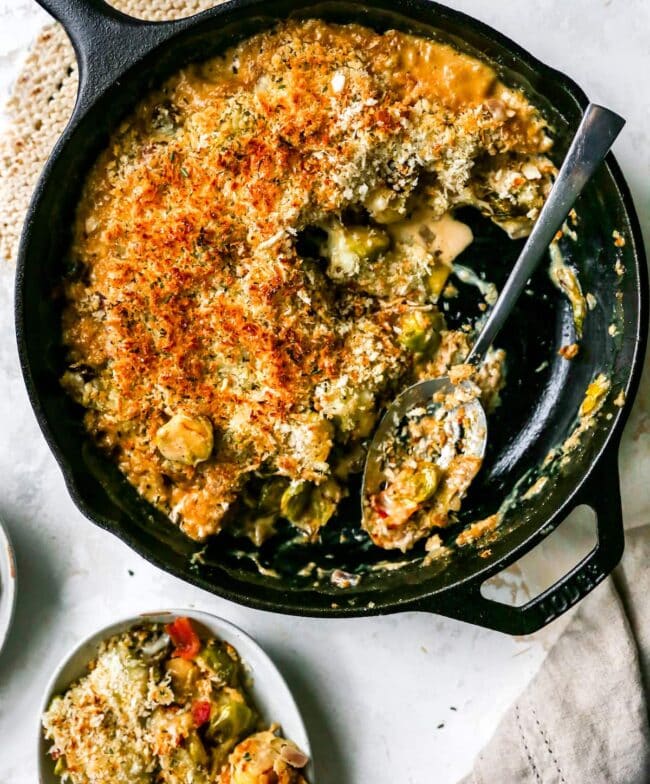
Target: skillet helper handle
106	42
601	492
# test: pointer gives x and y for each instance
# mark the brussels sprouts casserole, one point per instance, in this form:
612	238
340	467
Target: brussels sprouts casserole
160	704
258	258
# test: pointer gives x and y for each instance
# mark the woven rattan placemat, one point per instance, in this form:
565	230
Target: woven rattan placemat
40	105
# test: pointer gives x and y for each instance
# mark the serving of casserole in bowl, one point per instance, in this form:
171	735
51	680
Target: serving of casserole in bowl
259	226
170	697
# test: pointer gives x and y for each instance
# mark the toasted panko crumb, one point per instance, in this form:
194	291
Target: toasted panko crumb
478	529
460	373
570	351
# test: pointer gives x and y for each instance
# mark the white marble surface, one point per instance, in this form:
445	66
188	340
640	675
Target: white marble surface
377	694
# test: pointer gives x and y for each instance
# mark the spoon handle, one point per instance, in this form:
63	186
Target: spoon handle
595	135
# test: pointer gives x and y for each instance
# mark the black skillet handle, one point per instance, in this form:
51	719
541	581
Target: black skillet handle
600	492
106	42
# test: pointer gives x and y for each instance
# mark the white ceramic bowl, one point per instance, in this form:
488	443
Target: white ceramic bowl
7	585
269	690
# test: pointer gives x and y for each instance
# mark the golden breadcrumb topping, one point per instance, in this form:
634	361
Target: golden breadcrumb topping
258	255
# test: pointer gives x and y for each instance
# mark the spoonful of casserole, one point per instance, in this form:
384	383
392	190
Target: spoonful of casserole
430	444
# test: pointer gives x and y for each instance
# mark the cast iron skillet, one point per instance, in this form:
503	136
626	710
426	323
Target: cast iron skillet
120	58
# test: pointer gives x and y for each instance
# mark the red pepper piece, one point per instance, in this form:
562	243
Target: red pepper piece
186	640
200	712
376	503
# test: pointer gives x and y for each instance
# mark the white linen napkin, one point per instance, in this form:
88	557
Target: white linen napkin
584	717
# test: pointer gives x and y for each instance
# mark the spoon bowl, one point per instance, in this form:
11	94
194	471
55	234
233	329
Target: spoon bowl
420	395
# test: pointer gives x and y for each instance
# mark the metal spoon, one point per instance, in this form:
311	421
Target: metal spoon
595	135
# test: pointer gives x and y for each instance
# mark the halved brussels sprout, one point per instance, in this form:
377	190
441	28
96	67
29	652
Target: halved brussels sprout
407	492
215	658
265	494
322	505
419	330
294	500
271	494
423	483
310	507
183	674
186	439
232	719
349	246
